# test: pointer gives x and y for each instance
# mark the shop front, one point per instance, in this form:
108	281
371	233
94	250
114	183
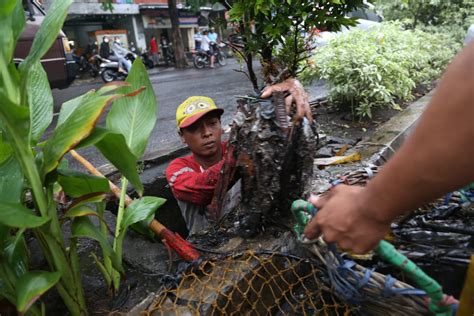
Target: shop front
157	22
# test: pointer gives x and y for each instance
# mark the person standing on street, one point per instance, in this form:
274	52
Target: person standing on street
154	50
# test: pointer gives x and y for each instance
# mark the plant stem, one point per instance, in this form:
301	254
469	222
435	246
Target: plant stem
108	273
67	290
117	243
76	270
120	211
26	159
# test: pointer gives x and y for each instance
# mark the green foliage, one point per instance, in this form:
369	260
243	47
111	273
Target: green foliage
267	27
26	111
451	16
370	69
32	285
77	184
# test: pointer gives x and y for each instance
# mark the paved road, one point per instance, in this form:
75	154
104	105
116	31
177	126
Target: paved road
171	88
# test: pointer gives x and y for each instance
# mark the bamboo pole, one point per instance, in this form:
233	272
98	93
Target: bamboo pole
155	226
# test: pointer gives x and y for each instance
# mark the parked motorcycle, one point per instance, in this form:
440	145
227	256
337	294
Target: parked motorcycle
95	61
84	66
167	54
109	70
145	56
202	58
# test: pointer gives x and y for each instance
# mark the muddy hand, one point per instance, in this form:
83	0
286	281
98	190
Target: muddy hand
343	218
297	96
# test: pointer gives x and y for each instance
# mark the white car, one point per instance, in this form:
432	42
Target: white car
322	38
367	18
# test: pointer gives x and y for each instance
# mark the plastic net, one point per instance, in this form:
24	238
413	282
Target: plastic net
252	284
294	278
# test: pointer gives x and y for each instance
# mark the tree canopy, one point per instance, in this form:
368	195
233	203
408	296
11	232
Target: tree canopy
280	32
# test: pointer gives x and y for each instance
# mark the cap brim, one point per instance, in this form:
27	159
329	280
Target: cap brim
192	119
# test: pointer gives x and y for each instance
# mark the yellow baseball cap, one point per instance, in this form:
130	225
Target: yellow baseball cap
193	108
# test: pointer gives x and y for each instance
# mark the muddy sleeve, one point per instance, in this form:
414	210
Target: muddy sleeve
191	186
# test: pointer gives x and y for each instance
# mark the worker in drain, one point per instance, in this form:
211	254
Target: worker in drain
193	178
437	158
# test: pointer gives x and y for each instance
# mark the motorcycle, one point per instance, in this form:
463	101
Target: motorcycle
202	58
95	61
167	53
84	65
145	56
109	70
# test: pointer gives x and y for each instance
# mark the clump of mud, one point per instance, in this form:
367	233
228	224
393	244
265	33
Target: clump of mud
274	160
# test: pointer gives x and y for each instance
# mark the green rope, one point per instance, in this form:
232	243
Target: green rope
303	210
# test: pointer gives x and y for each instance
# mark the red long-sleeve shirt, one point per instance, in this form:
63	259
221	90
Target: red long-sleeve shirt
189	182
153	46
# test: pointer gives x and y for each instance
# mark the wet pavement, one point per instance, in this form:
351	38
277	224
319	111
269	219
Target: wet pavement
172	86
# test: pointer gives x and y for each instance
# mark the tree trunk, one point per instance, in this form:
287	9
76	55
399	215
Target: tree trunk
179	54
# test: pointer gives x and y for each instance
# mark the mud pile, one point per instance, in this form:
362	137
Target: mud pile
274	160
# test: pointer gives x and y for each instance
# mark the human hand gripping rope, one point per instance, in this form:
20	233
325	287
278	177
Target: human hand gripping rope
353	283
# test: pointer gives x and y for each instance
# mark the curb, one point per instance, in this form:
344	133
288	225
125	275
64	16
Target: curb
381	145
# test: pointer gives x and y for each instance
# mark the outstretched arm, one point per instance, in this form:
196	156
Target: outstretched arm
437	158
297	96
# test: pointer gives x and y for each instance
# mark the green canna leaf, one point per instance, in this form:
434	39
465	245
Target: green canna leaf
40	101
16	215
32	285
77	126
11	181
135	117
140	210
76	184
47	34
109	144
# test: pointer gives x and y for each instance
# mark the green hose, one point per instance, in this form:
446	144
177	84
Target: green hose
302	210
432	288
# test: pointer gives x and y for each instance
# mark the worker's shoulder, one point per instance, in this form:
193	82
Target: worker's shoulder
181	162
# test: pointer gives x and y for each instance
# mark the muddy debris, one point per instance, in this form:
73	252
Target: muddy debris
438	237
274	159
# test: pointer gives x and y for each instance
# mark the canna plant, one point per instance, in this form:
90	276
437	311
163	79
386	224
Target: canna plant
32	166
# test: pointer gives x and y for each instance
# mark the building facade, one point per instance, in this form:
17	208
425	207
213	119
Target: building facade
134	21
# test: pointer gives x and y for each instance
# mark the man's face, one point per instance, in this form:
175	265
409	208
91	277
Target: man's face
204	136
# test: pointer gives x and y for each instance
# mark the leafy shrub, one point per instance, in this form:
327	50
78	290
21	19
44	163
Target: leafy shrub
370	69
448	16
